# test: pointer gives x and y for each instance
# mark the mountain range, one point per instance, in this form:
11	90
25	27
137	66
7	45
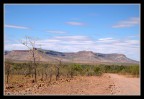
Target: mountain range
70	57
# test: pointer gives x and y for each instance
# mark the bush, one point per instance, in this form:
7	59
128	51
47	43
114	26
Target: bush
98	70
134	70
69	70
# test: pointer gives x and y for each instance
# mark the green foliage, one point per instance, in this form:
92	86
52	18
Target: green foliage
77	67
8	65
133	70
70	70
98	70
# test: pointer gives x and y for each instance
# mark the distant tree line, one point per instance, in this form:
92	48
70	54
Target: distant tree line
46	71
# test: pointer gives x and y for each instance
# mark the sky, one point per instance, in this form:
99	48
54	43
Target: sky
101	28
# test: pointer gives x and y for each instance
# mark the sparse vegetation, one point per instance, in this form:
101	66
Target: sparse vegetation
17	79
68	70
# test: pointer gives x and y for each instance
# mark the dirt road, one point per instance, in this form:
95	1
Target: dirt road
125	85
107	84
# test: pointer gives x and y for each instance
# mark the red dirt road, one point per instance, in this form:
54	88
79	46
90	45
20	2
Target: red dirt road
107	84
125	85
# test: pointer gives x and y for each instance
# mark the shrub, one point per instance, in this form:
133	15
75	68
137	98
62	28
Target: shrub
98	70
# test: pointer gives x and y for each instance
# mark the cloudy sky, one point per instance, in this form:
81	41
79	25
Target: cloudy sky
99	28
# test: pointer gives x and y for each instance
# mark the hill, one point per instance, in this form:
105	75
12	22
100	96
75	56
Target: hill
71	57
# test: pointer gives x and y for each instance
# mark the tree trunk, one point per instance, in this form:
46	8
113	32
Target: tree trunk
42	75
71	73
8	72
7	78
29	70
50	77
35	70
46	75
35	75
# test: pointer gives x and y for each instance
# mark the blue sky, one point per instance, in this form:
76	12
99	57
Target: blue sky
103	28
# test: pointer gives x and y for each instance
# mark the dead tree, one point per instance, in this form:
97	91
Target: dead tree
71	72
30	44
58	69
51	72
7	69
45	70
71	69
50	76
42	74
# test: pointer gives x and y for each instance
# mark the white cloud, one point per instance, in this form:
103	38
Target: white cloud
15	47
71	38
77	42
106	40
132	36
48	41
129	47
127	23
76	23
67	40
15	26
132	42
57	32
103	39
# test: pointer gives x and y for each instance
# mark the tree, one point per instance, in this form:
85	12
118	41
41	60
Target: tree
71	71
58	69
51	72
34	56
8	68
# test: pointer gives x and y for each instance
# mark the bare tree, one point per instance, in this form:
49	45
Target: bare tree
58	68
50	75
7	68
30	44
51	72
71	72
71	68
42	74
